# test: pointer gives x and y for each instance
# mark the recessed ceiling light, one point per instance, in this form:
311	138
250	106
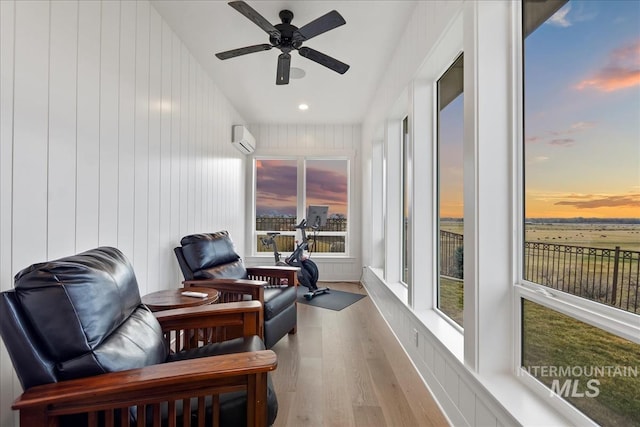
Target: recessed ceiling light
303	107
296	73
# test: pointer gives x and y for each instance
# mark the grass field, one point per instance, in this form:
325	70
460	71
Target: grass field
606	236
554	339
451	298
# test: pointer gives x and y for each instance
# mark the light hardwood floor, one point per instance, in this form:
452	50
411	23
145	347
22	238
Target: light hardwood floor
345	368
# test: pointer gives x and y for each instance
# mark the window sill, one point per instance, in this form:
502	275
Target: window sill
443	331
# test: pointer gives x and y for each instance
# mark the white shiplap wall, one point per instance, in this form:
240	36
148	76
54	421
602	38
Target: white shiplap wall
319	140
110	134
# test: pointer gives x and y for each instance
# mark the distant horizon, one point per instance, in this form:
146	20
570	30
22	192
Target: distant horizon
631	220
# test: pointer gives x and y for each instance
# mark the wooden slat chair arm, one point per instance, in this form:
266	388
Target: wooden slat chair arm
229	288
210	323
274	274
152	386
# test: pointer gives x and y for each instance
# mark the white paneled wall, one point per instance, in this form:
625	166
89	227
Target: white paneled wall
110	134
323	140
461	396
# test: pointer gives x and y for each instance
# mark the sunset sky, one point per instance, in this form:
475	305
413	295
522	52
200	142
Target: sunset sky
276	186
582	112
582	117
582	126
450	157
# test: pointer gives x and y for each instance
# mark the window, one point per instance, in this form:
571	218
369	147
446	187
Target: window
406	203
450	191
285	188
327	184
581	225
276	201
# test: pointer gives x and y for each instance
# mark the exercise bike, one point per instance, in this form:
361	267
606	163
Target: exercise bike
308	273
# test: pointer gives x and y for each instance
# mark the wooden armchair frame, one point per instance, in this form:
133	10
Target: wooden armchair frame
167	386
258	278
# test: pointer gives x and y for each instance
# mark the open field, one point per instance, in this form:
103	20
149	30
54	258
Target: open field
606	236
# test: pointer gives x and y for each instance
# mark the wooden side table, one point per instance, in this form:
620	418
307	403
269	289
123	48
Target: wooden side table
173	298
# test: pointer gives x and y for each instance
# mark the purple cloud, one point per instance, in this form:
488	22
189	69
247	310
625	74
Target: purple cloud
564	142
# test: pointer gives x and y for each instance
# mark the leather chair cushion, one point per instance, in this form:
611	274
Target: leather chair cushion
237	345
207	250
138	342
231	270
278	299
86	314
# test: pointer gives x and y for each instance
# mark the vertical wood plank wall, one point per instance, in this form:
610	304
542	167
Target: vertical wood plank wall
340	139
110	134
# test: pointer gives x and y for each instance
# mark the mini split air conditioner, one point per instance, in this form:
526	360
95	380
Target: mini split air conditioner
243	140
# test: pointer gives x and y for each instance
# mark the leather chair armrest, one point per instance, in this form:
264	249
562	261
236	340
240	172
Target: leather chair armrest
152	386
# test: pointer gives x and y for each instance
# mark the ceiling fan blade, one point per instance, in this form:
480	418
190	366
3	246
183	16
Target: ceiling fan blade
284	66
318	26
258	19
322	59
243	51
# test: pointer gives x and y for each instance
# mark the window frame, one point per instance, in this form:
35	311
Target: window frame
611	319
406	207
301	200
437	191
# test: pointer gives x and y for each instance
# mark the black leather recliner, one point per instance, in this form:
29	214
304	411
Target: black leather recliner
81	316
210	259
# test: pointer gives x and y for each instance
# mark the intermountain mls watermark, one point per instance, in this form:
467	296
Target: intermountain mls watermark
579	381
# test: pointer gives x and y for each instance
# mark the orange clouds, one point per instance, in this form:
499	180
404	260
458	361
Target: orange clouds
567	205
622	71
612	201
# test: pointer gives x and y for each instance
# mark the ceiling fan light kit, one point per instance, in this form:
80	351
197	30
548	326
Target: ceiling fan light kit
288	37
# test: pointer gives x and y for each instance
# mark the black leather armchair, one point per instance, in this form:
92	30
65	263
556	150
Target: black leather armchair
210	259
88	352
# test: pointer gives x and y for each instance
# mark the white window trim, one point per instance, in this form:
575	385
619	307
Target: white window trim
301	157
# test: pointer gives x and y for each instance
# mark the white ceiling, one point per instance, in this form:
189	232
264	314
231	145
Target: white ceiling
366	43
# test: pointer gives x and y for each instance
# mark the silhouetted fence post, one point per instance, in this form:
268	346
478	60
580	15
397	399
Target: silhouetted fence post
614	286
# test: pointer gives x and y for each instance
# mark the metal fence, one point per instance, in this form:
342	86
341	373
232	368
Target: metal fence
328	244
451	254
609	276
279	223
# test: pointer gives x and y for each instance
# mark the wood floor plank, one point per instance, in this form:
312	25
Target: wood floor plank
370	416
391	398
345	368
307	405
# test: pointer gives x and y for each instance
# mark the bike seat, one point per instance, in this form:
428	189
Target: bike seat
273	233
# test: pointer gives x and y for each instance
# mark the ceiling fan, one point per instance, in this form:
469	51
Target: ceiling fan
288	37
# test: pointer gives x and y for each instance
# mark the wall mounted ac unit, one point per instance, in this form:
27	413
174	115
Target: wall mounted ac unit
243	140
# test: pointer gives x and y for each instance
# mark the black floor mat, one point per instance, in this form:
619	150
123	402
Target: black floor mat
333	300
